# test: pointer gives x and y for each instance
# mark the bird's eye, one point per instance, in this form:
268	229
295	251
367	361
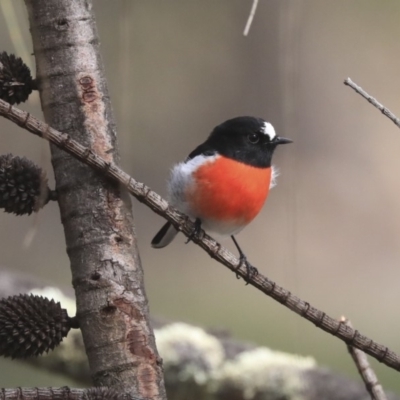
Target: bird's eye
253	138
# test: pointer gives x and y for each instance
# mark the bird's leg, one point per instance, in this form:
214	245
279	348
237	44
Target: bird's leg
196	230
251	271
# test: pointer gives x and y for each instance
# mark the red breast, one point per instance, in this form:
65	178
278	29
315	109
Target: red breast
227	190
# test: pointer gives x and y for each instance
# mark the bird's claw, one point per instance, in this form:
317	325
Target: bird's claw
251	271
196	230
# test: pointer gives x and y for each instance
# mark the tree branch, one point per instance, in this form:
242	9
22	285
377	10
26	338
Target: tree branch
251	17
385	111
368	375
51	393
144	194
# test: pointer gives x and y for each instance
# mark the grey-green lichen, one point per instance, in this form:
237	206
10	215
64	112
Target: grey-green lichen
191	355
264	371
190	351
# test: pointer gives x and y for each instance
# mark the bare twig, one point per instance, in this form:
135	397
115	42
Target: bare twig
251	17
385	111
160	206
365	370
52	393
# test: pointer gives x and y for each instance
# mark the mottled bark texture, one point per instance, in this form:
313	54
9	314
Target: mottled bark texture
96	213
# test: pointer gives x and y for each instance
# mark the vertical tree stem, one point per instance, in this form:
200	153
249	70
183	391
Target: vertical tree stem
96	213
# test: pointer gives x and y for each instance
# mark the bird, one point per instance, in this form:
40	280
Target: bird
225	181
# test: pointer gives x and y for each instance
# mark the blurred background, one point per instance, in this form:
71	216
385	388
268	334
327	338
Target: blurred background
330	229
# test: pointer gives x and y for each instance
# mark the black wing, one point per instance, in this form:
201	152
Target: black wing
204	149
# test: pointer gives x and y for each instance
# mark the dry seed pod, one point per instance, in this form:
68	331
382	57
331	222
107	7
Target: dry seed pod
31	325
16	83
23	185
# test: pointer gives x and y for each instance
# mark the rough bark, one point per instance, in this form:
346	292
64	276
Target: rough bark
107	275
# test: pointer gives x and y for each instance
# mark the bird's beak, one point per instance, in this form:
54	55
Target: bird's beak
282	140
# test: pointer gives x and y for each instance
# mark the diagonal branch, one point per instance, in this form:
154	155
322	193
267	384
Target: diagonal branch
160	206
385	111
251	17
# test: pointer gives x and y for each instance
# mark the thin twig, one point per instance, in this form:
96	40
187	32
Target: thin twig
160	206
251	17
65	392
385	111
365	370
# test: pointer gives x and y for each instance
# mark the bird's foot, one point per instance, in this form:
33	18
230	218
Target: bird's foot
251	271
196	230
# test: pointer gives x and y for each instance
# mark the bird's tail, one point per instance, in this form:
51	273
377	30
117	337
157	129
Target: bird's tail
164	236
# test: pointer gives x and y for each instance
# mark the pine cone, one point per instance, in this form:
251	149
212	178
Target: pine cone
31	325
23	185
16	81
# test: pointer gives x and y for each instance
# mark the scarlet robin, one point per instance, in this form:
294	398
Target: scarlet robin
225	181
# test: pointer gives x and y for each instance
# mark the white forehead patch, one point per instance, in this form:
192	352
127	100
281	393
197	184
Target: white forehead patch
269	130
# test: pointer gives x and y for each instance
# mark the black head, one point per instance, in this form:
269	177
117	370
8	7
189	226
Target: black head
247	139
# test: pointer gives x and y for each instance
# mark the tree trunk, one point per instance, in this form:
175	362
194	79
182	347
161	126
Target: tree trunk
101	244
